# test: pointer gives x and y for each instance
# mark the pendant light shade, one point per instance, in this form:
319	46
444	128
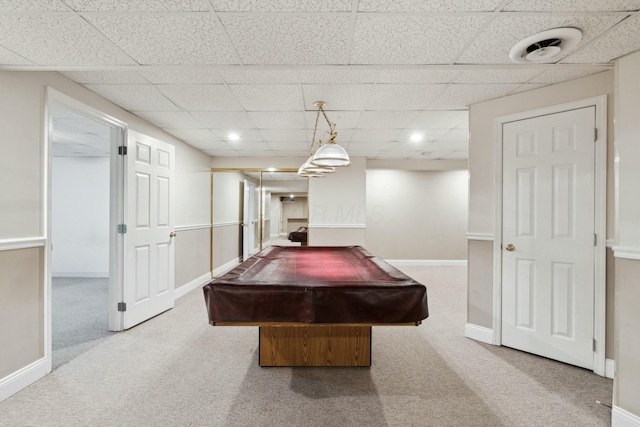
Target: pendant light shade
331	155
308	166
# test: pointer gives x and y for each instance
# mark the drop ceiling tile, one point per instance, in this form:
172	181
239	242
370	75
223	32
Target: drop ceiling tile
257	153
342	75
440	119
428	6
243	76
292	153
395	154
370	154
368	146
32	6
250	145
282	5
193	134
496	76
222	153
425	76
135	97
81	126
105	77
403	97
492	46
375	135
246	135
8	57
456	155
448	146
427	135
460	96
182	76
202	97
385	119
623	39
529	86
278	119
423	39
572	5
342	119
433	155
224	119
167	39
455	135
269	97
60	39
290	146
289	39
138	6
337	96
210	145
170	119
286	135
558	75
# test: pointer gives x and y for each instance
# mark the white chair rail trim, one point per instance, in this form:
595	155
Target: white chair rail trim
23	243
226	223
627	252
191	227
480	236
352	226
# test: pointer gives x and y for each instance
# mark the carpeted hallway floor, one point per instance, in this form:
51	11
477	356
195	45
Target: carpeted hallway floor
176	370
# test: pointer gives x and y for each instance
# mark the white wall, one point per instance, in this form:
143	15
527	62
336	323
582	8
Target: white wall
80	216
418	215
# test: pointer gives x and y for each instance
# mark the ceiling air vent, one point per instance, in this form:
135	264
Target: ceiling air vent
545	46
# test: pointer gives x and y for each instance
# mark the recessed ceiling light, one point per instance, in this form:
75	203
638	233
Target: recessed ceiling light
233	136
416	137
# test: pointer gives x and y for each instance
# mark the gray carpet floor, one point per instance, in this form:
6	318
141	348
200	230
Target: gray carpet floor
80	317
176	370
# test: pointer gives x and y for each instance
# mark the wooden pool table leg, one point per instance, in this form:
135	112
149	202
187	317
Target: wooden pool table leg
315	345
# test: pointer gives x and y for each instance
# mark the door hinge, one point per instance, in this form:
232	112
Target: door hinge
595	134
122	306
122	150
122	228
595	239
594	344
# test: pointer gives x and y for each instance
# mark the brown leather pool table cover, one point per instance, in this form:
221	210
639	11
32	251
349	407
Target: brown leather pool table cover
315	284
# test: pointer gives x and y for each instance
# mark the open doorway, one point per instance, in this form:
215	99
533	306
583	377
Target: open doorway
82	212
286	210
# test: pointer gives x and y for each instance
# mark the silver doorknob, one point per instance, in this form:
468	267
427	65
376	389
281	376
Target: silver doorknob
172	234
510	247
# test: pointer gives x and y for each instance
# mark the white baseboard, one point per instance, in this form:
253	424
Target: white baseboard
80	274
609	368
478	333
427	262
226	267
622	418
13	383
188	287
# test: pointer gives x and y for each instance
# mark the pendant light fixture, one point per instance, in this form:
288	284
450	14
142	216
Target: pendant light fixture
329	154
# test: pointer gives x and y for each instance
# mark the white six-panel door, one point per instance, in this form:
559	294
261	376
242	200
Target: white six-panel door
149	248
548	236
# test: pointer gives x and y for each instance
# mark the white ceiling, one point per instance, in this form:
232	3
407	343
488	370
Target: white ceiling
386	68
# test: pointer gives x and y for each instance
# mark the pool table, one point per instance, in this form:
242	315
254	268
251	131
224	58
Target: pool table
315	305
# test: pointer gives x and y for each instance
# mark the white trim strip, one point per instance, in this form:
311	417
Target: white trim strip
338	226
97	274
226	224
627	252
623	418
191	227
427	262
13	383
478	333
610	368
26	243
480	236
610	243
193	284
226	267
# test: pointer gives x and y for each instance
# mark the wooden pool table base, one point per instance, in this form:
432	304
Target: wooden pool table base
315	345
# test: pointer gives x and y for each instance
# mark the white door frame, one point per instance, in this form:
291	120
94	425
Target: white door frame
600	209
116	248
